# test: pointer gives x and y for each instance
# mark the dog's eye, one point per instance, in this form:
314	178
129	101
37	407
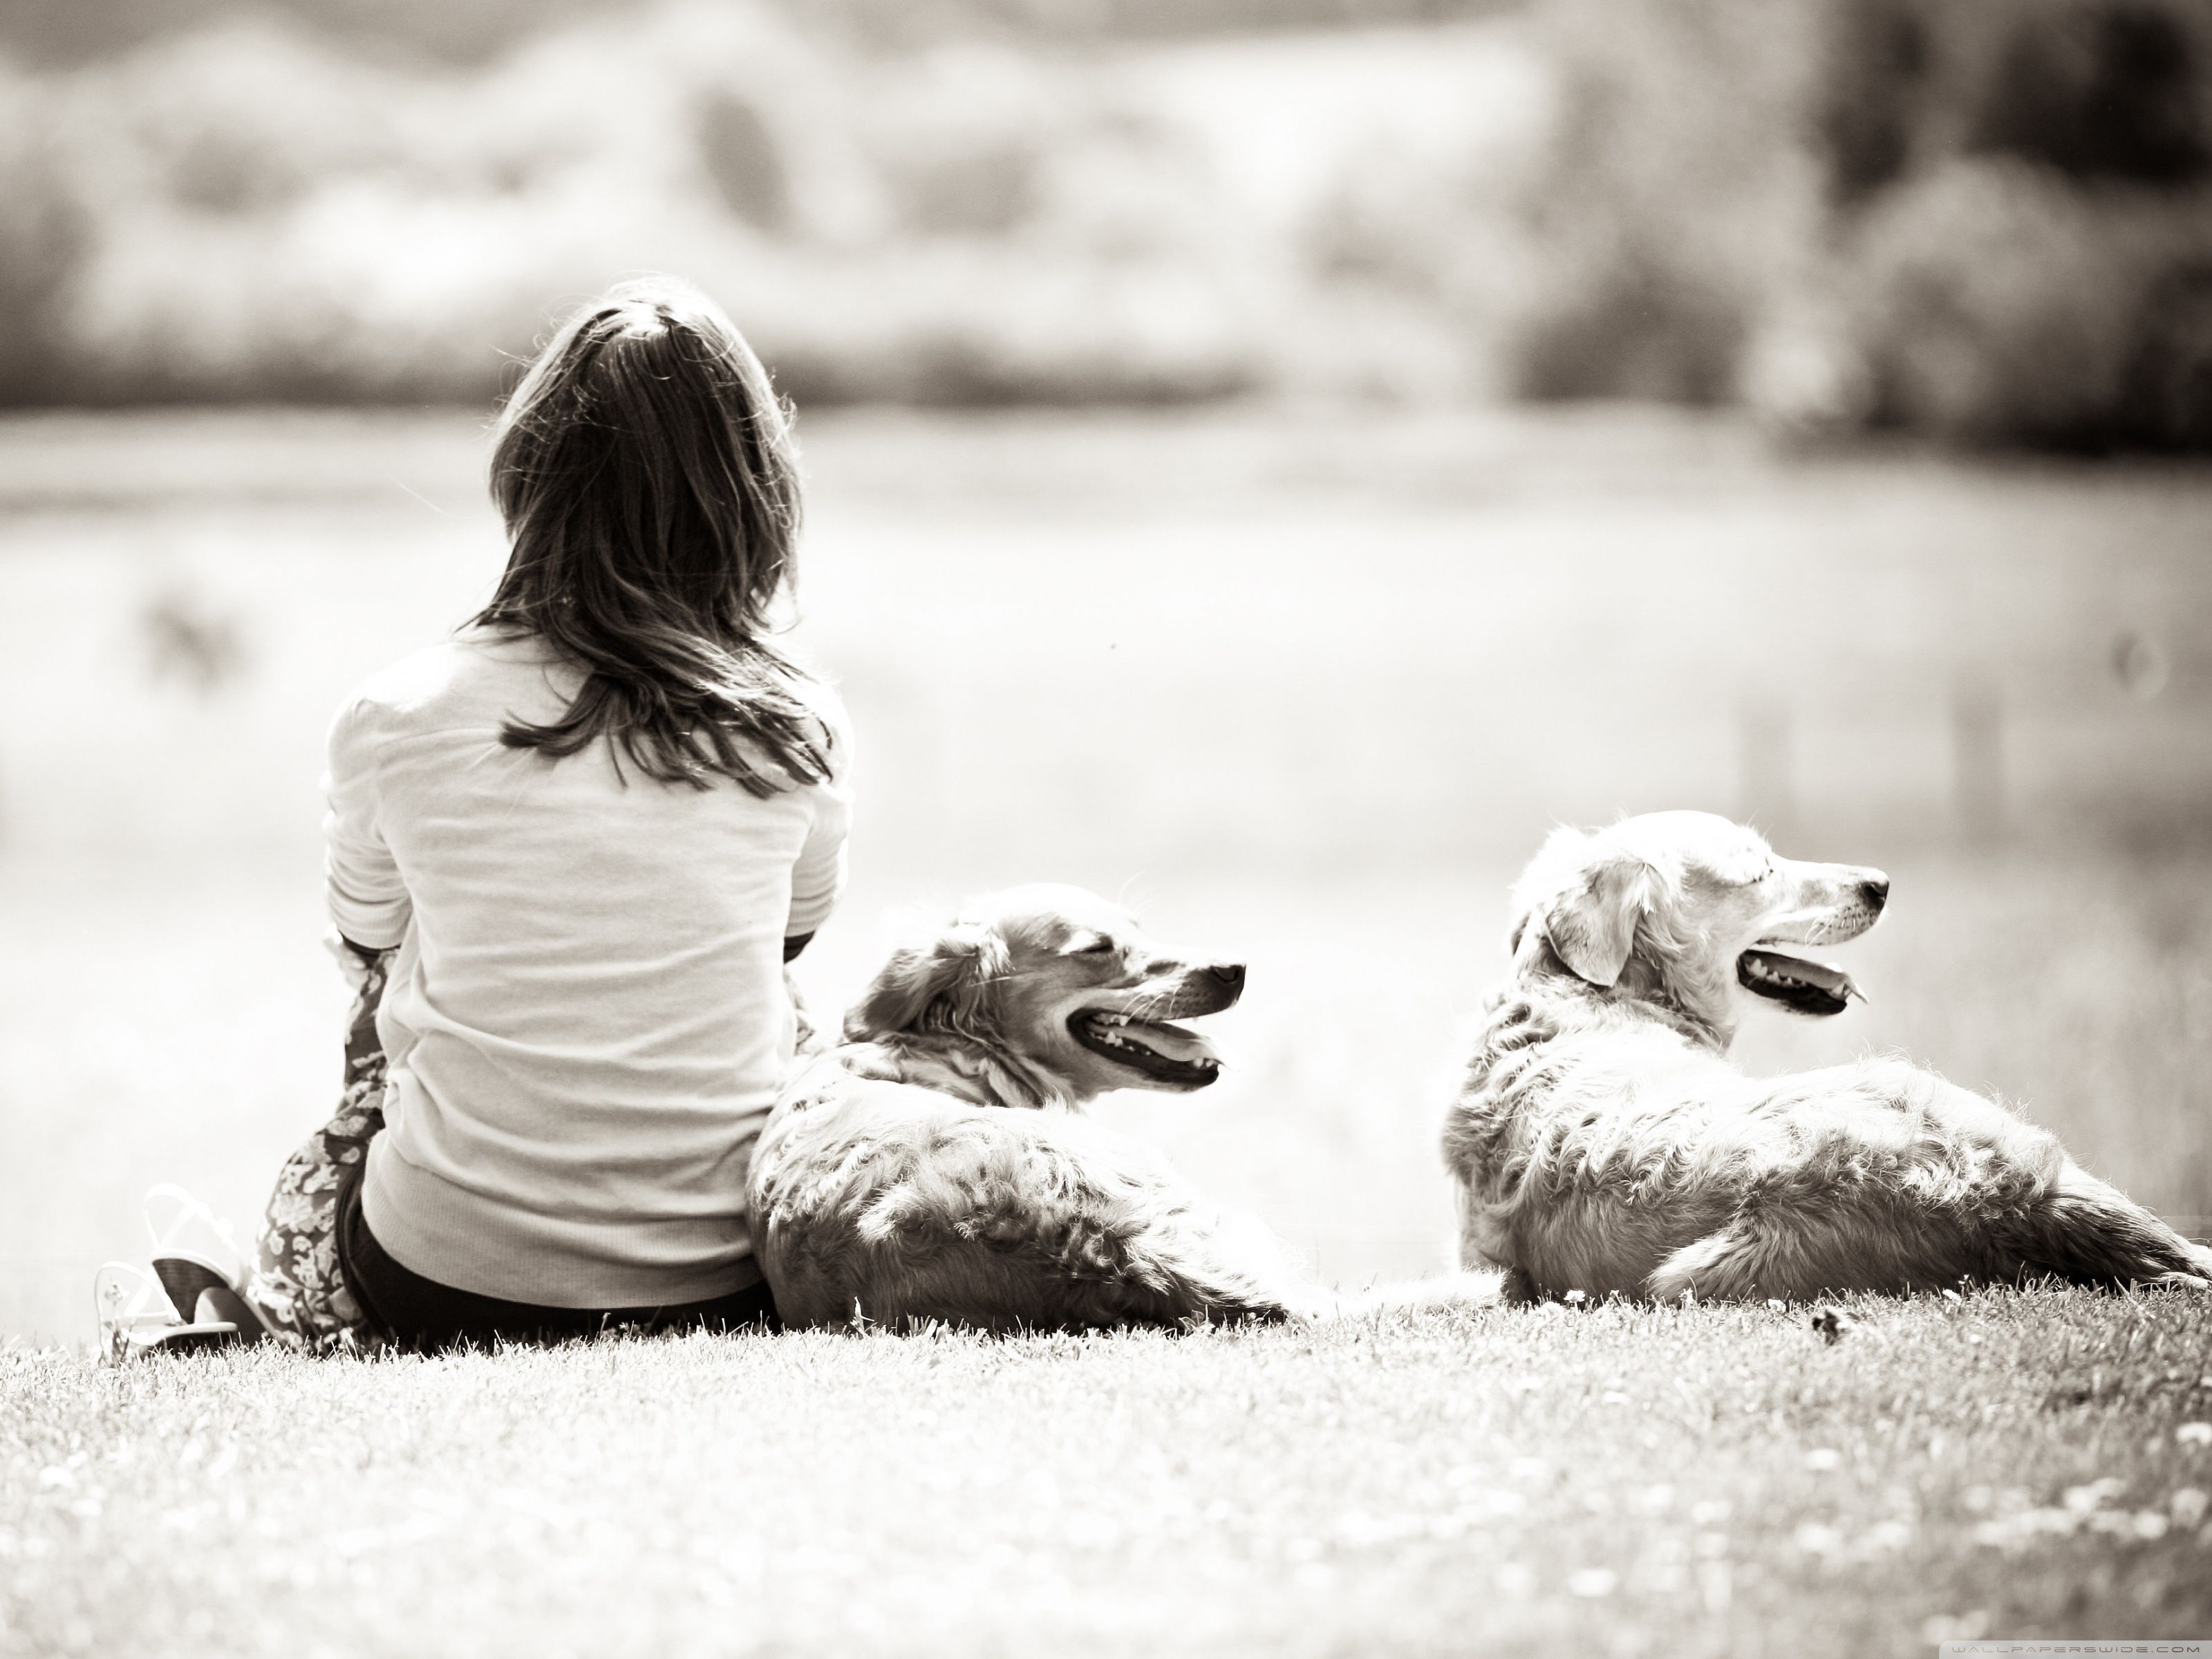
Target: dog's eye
1746	871
1096	945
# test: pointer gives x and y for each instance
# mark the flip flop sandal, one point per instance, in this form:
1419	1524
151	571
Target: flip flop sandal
199	1263
191	1339
136	1317
179	1225
197	1290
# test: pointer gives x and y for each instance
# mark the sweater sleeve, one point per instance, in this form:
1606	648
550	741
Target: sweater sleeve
818	877
368	899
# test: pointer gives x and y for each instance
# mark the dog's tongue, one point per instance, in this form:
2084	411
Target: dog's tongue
1806	987
1171	1040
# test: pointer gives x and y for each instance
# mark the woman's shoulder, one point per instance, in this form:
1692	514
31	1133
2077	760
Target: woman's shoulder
455	672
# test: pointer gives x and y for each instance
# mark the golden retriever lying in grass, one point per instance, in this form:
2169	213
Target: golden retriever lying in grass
933	1167
1602	1141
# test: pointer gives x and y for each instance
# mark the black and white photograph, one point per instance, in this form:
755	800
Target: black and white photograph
1190	829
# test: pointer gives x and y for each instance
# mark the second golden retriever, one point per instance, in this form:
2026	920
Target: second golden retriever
1603	1142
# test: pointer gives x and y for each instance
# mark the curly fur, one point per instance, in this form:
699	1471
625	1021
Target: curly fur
1602	1141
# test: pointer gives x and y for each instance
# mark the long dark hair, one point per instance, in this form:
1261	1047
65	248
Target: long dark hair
646	470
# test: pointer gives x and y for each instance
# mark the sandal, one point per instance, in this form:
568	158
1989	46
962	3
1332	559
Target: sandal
176	1223
199	1264
136	1317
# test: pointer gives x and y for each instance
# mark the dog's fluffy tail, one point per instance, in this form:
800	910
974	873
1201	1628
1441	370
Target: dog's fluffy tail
2078	1230
2088	1232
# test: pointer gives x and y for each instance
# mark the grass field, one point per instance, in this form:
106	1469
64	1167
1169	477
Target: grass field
1303	688
1614	1481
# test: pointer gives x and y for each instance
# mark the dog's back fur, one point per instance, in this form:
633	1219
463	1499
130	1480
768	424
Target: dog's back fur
876	1198
1602	1141
1601	1149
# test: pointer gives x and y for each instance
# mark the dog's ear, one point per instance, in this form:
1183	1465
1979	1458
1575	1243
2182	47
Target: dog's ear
1592	922
943	983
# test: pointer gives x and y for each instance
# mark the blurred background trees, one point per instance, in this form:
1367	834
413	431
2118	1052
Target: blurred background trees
1989	224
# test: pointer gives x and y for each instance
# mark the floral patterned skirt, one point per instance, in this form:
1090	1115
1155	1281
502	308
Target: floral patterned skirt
296	1286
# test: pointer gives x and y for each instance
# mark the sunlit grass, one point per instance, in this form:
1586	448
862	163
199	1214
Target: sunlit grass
1615	1480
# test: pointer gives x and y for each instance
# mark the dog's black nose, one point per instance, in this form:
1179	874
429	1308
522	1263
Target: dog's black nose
1229	973
1875	891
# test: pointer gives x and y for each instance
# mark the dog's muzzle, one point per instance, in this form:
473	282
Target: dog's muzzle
1802	987
1815	987
1138	1035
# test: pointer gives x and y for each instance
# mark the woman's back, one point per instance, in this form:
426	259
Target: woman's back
587	1021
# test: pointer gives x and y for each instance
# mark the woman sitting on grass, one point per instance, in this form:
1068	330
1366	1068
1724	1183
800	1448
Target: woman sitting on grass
580	840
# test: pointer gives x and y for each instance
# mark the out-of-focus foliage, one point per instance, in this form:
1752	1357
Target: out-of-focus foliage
250	210
475	30
1671	204
2029	218
247	212
2000	302
1987	222
1992	224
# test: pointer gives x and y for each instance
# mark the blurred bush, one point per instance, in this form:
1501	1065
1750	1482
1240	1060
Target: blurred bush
245	211
2000	302
2029	220
1672	204
465	32
1992	224
40	238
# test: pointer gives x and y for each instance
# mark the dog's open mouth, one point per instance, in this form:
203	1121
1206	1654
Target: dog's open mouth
1802	987
1168	1053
